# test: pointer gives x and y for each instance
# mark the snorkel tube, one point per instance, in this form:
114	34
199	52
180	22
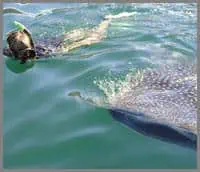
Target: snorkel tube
19	26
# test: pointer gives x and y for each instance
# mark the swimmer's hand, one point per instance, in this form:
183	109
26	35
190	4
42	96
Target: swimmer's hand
19	26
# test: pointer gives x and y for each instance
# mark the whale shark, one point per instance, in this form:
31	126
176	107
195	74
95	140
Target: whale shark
160	103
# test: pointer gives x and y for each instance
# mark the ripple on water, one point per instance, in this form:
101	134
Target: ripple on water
46	128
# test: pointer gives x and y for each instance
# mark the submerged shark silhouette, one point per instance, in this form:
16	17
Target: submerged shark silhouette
155	129
160	103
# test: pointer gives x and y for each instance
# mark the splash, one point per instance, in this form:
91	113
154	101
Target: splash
120	15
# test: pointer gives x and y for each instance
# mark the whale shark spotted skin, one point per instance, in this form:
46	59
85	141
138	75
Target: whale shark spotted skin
161	103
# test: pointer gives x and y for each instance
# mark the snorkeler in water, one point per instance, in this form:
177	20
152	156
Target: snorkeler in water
22	46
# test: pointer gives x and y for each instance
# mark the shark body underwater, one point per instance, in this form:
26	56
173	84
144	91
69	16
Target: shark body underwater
160	103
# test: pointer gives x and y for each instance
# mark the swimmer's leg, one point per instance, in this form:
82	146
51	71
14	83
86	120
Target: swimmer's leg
90	36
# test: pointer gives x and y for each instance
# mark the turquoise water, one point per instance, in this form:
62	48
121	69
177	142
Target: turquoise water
44	127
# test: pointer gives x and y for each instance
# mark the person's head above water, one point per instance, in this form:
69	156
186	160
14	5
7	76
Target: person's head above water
21	44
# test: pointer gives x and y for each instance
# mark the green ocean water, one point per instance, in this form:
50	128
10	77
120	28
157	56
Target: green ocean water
44	127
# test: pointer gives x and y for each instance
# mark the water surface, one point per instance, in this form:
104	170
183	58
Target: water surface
44	127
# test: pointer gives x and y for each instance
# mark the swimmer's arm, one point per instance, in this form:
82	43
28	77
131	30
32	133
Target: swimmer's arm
7	52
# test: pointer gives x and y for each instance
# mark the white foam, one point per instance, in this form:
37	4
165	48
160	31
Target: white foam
120	15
